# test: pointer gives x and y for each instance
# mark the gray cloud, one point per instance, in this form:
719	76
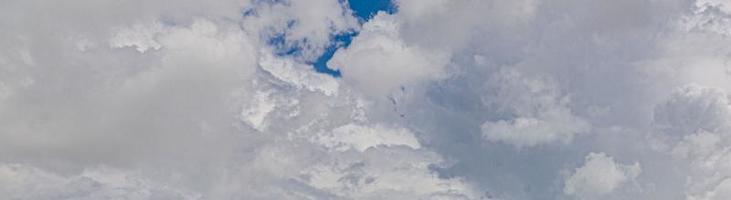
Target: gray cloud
441	100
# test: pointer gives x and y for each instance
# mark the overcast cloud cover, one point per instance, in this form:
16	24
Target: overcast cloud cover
437	99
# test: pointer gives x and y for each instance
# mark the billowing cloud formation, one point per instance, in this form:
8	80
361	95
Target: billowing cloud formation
599	176
440	99
379	50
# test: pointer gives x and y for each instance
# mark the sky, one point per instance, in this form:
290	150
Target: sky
366	99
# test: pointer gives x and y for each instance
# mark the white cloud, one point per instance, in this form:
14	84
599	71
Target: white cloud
298	75
255	114
459	99
386	173
523	132
390	164
600	175
378	49
201	109
541	112
361	138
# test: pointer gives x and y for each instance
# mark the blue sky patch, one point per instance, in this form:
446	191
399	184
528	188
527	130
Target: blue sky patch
364	10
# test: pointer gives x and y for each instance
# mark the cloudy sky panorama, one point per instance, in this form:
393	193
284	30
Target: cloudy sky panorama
365	99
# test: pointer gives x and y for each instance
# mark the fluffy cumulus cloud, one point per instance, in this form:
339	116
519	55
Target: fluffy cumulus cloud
600	175
424	99
379	61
